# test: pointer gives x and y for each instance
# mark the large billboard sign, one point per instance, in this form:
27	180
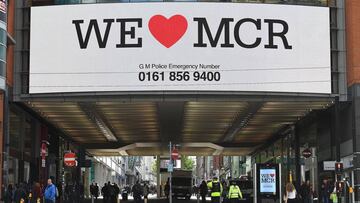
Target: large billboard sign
180	46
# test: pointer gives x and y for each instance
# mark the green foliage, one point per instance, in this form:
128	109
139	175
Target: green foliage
187	163
153	167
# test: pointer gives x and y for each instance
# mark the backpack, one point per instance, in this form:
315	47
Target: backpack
215	187
56	191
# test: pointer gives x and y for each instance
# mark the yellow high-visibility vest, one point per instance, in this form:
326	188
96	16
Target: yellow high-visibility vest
217	193
234	192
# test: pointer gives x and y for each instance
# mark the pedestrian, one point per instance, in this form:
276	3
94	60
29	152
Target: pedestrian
290	194
20	193
137	192
325	191
216	190
68	192
116	192
9	193
92	190
333	196
81	192
167	188
104	192
50	192
305	192
111	192
96	191
234	193
36	192
146	192
225	191
203	191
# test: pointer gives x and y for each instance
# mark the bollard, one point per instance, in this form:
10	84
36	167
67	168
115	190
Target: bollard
197	198
118	199
92	198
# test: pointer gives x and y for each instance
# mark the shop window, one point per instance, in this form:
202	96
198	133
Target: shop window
15	135
28	139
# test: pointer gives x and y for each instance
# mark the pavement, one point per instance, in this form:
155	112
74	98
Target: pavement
153	199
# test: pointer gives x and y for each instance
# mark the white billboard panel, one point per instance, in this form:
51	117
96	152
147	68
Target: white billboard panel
180	46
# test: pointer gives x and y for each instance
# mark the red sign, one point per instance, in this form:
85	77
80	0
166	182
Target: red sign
174	154
43	154
70	159
307	153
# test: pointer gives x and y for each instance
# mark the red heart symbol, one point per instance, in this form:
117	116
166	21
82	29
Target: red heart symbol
272	175
168	31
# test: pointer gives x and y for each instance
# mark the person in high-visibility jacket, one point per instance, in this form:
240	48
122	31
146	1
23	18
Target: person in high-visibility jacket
216	190
234	194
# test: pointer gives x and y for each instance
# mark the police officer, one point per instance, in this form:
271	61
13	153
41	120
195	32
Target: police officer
234	194
216	190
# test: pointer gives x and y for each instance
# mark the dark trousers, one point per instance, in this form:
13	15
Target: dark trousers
49	201
234	200
137	199
203	198
325	199
215	199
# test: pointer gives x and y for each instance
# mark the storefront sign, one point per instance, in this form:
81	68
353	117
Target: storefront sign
329	165
307	153
180	46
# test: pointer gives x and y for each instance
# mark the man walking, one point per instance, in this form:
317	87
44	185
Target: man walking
50	192
137	191
234	194
216	190
203	191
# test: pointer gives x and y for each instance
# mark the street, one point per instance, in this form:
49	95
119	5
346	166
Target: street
154	200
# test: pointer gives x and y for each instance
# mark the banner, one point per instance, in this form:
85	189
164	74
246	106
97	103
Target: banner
180	47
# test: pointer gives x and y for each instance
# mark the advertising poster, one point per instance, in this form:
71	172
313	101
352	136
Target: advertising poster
268	181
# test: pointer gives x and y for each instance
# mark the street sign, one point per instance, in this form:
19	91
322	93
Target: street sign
170	168
307	153
70	159
43	154
339	167
174	154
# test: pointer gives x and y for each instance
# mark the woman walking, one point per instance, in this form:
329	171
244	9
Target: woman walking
290	194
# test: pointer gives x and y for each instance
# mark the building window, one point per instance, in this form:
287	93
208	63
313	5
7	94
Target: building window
15	135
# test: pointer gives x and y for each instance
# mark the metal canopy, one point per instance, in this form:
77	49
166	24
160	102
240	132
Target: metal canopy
111	128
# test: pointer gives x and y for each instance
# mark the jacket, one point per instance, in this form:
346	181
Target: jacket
215	192
50	192
234	192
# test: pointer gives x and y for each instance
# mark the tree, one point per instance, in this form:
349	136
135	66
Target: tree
187	163
154	167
